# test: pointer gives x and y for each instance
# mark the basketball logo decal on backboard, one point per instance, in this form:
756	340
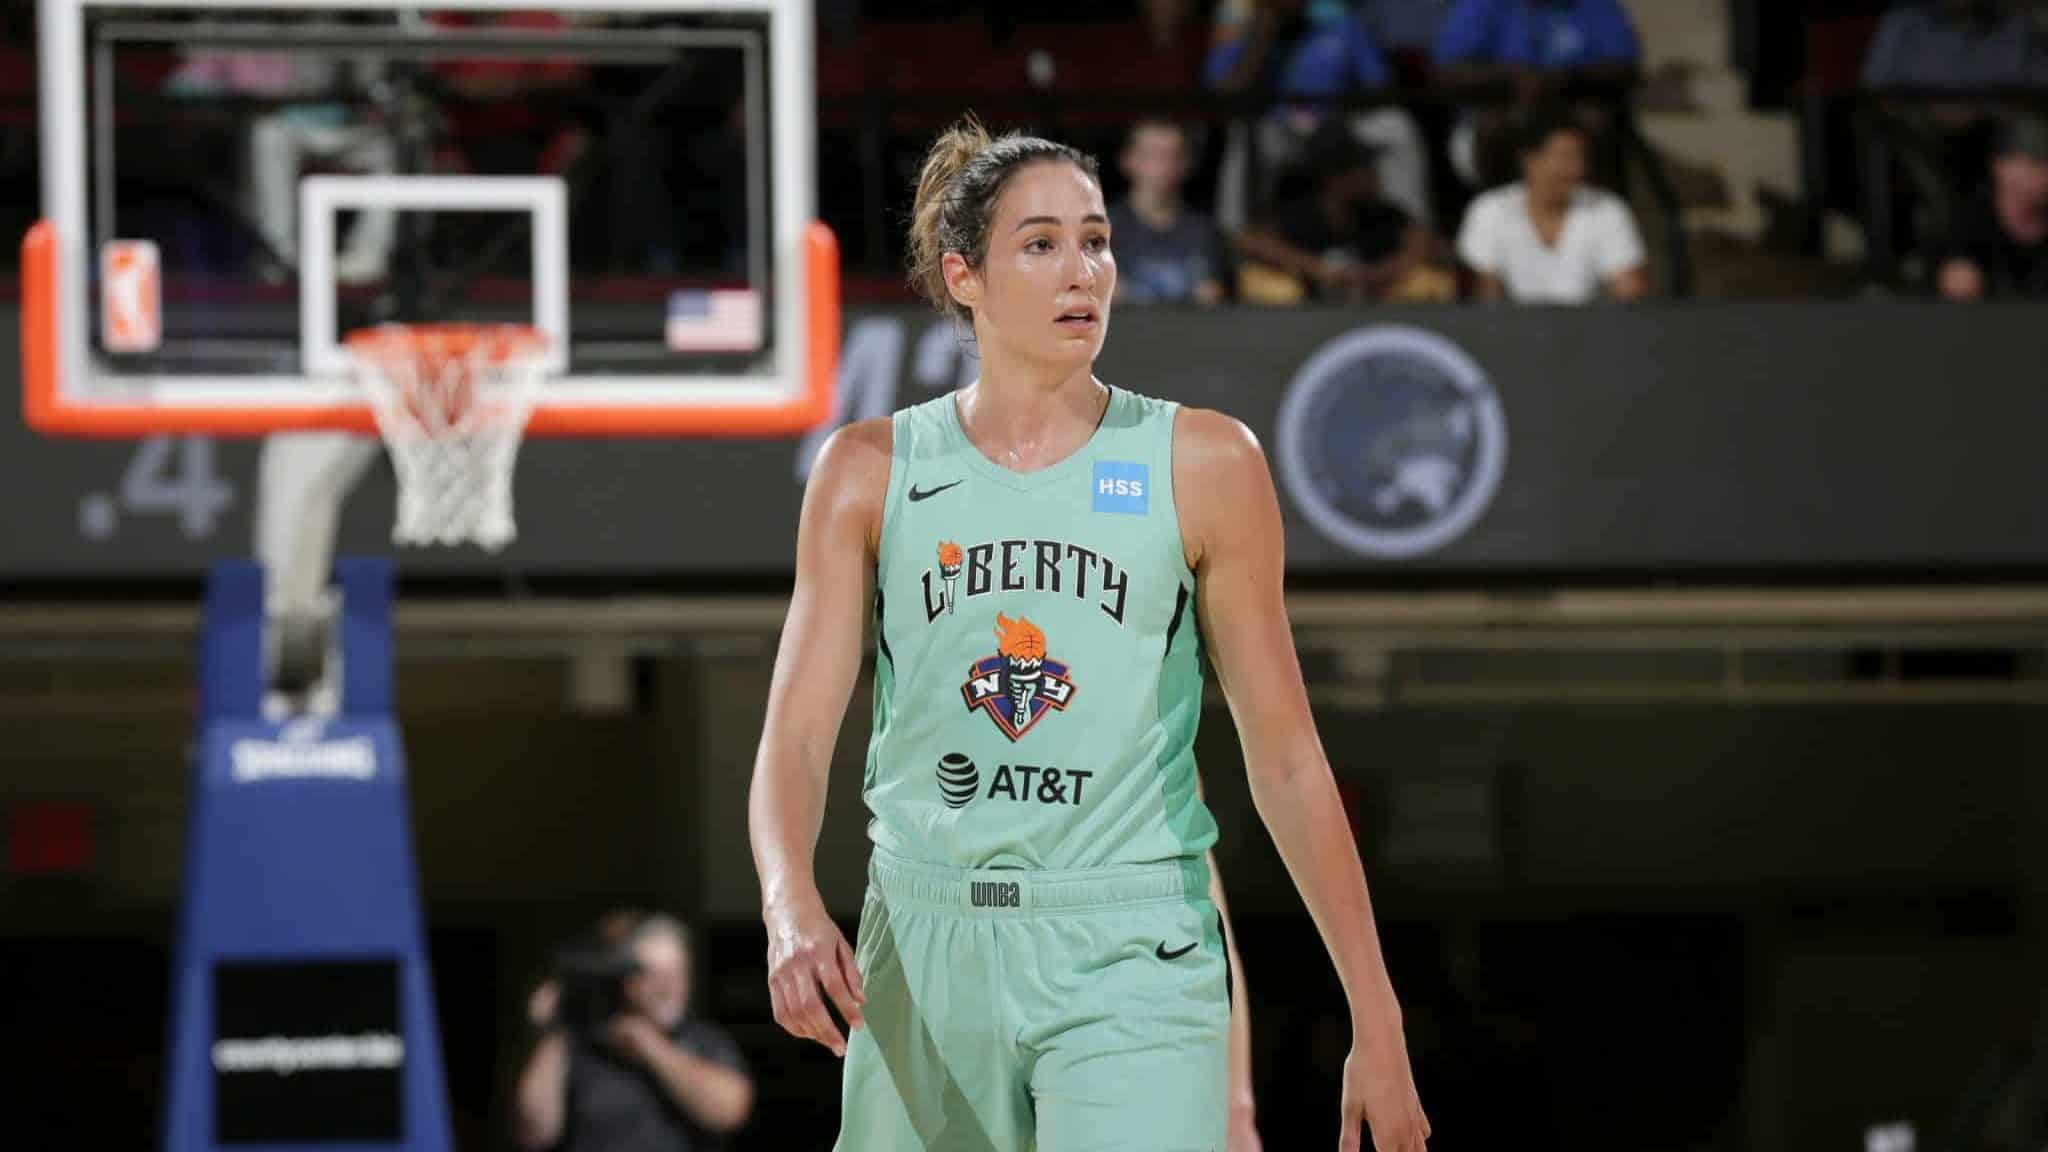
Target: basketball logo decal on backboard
131	296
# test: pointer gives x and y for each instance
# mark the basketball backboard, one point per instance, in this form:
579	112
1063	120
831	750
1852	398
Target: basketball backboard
230	189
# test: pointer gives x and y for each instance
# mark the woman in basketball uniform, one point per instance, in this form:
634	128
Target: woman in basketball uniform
1045	559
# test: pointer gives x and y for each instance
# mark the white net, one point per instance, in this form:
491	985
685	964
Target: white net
451	402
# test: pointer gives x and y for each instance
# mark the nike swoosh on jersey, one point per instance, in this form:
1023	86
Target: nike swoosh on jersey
1176	954
917	493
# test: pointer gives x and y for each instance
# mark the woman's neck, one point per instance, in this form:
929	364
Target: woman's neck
1025	418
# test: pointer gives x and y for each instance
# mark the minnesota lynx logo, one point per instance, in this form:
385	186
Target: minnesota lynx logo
1017	685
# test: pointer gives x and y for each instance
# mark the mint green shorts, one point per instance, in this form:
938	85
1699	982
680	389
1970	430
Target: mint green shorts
1038	1011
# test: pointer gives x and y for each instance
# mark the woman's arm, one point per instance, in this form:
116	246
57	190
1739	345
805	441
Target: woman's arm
815	667
1244	1132
1230	520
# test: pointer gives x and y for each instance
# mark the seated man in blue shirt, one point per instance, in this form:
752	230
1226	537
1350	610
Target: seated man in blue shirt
1312	49
1538	46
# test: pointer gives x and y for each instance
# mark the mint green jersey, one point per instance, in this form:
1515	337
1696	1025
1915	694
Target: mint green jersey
1038	670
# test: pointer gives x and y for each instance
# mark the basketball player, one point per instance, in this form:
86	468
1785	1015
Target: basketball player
1045	559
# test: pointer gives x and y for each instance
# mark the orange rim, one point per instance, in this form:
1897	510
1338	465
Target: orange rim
448	341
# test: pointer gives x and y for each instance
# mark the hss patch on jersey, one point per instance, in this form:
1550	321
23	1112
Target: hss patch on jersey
1019	684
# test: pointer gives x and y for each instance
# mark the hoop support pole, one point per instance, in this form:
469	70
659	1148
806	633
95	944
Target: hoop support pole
303	481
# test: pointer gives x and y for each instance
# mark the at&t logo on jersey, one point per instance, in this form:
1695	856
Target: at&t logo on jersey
959	779
960	783
1019	684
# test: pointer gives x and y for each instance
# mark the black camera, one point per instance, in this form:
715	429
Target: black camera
591	988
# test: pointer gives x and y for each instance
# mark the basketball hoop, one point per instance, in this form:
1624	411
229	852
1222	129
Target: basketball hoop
451	401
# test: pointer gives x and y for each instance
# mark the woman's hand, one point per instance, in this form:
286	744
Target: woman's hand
1244	1132
806	953
1380	1089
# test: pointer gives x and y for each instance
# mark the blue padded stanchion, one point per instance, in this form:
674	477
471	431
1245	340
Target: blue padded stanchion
302	1009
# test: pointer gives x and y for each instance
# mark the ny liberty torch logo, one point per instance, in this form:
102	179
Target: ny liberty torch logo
949	571
1017	685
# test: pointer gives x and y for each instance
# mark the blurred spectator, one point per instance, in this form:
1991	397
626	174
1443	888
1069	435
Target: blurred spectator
1173	47
1971	48
624	1065
2000	248
1551	238
1538	44
1166	252
1343	240
1165	20
1540	48
1405	26
1958	44
1312	50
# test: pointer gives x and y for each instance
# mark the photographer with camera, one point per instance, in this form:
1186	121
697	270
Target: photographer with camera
624	1066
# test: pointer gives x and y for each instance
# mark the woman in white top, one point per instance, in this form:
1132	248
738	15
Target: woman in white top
1551	239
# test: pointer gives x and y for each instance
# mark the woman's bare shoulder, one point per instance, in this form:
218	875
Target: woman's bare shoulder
849	481
855	453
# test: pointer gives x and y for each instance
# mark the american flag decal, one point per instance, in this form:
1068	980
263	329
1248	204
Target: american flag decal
720	320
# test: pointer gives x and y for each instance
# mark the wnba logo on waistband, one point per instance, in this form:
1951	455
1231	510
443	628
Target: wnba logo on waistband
995	894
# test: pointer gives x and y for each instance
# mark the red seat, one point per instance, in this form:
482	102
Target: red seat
842	73
1113	56
927	55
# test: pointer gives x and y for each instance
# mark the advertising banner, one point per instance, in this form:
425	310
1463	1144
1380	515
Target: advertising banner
1877	439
